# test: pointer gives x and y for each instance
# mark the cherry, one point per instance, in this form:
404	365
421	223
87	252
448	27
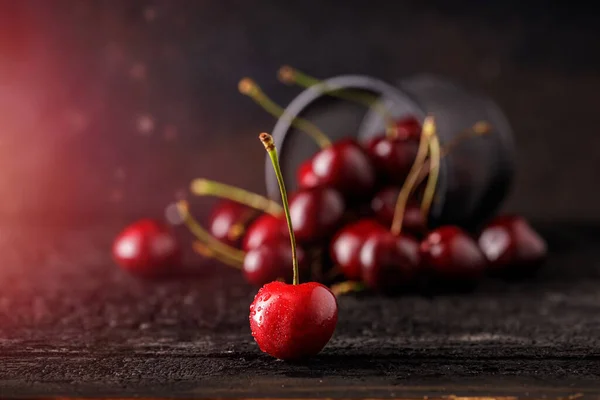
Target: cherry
389	261
392	157
513	248
347	243
383	206
265	228
305	175
228	220
292	322
270	262
343	166
147	247
408	128
316	214
451	255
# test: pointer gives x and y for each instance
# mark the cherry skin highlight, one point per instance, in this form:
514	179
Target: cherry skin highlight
228	220
305	176
346	167
265	228
383	206
316	214
389	262
148	248
347	243
271	261
292	322
451	255
512	247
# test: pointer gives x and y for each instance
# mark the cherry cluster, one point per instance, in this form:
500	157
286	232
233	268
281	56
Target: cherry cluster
359	219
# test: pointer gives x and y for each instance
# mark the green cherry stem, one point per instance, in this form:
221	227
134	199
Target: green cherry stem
291	76
249	88
205	187
267	141
434	170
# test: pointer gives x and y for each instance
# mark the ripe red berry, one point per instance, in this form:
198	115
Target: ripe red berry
264	229
347	243
316	214
389	262
228	220
451	255
292	322
346	167
305	175
392	158
147	247
271	261
513	248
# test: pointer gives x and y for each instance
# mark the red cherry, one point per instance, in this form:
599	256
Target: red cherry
147	247
393	158
389	262
316	214
347	243
292	322
228	220
271	261
305	175
383	206
346	167
512	246
408	128
265	228
449	253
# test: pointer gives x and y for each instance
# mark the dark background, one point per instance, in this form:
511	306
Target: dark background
108	109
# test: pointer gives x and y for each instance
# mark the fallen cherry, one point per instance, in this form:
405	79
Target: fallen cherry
264	229
292	322
452	257
295	321
347	243
512	247
389	261
316	214
148	248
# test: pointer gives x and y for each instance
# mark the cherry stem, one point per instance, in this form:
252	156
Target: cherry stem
411	180
205	187
291	76
204	250
267	141
479	129
217	247
249	88
434	171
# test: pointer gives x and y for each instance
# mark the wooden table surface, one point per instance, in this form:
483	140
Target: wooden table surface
73	324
